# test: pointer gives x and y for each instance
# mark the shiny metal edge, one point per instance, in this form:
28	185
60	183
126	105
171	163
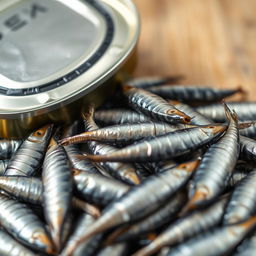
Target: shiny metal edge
59	97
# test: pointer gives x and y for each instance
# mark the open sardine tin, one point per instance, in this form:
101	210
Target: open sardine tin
58	56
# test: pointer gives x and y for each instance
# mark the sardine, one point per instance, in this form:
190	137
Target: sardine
57	185
28	158
153	106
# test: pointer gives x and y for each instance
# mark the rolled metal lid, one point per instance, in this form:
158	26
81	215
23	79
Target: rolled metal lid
54	52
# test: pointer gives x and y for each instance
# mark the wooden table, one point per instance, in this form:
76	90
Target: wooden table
211	42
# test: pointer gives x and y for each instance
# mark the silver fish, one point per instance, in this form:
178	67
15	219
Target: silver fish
10	247
163	147
242	203
195	94
23	224
28	158
216	243
98	189
153	106
141	200
57	184
244	110
124	172
124	133
216	167
187	227
30	190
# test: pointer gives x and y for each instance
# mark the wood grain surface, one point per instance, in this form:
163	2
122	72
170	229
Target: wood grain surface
211	42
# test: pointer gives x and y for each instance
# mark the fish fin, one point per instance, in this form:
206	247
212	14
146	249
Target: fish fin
231	115
246	125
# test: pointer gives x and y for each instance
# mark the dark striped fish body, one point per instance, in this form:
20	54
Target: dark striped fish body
242	203
23	224
98	189
219	242
196	117
121	171
216	168
186	227
153	106
124	133
164	147
119	116
247	247
28	158
27	189
57	185
192	94
8	148
3	166
10	247
89	247
146	82
247	149
244	110
73	152
120	249
142	200
158	219
250	131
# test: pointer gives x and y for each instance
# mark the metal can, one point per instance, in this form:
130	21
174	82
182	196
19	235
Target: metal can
58	56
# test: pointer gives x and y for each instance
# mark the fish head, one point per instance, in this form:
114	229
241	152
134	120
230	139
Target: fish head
43	242
178	116
42	134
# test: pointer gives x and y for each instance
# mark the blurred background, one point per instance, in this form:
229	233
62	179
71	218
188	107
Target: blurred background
211	42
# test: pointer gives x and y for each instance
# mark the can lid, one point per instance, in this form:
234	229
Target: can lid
54	52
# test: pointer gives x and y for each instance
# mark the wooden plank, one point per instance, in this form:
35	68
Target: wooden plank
210	42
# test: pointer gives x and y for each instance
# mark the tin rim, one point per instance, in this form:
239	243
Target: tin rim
115	56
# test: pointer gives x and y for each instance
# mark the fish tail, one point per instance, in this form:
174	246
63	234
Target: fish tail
193	203
246	125
230	114
90	113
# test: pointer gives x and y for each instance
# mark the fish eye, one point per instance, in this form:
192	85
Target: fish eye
39	133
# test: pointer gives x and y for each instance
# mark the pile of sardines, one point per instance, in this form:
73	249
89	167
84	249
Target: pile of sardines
160	169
